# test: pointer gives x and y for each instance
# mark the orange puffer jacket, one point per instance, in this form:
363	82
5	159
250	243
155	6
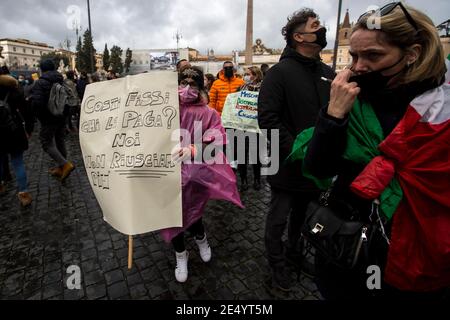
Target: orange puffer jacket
221	88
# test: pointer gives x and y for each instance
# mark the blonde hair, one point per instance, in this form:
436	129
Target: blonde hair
397	31
257	73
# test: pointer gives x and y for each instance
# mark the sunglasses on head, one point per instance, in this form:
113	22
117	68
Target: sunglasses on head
388	9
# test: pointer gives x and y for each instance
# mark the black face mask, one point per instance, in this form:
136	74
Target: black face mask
375	81
228	71
321	37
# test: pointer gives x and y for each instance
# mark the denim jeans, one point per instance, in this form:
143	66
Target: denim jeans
19	169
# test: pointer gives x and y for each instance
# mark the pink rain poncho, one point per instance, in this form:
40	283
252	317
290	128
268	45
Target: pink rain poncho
201	182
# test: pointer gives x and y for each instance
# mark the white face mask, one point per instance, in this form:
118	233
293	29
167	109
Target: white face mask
247	78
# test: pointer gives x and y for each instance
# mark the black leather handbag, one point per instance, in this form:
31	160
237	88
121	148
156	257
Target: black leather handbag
336	231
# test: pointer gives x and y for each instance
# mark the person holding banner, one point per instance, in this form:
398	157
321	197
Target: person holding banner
253	79
202	179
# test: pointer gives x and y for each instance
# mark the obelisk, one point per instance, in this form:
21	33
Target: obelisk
249	35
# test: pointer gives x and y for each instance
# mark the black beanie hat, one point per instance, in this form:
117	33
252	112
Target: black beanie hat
47	65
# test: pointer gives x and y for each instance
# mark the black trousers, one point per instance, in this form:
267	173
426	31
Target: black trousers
251	151
336	284
242	169
52	139
285	208
197	229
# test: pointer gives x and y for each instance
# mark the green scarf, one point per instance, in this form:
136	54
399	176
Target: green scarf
364	134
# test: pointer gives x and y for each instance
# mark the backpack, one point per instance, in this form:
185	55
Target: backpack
7	123
74	100
61	98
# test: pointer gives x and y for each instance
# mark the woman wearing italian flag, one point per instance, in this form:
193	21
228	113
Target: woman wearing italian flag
386	136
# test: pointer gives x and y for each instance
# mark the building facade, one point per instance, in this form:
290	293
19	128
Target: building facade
327	57
23	54
70	55
343	57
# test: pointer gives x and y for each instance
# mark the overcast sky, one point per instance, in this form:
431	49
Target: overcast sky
151	24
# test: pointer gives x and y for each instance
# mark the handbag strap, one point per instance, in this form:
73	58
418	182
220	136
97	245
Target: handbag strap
323	200
375	209
324	197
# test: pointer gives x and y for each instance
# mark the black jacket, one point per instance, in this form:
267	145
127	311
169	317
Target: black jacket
324	156
290	98
21	115
81	88
40	95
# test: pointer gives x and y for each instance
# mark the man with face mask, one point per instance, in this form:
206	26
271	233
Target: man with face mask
22	80
290	99
226	83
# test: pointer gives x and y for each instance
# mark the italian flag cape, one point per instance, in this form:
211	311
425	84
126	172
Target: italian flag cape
409	171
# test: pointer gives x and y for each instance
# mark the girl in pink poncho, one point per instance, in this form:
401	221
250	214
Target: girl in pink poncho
202	178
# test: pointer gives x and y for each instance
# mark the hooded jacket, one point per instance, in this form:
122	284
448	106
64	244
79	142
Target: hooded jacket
40	95
203	181
221	88
290	98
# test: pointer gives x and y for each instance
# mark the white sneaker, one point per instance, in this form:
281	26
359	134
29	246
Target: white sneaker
181	271
205	249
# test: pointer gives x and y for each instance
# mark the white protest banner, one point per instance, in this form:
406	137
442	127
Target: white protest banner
125	136
241	111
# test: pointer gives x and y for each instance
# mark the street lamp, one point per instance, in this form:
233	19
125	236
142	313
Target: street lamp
336	43
178	36
90	33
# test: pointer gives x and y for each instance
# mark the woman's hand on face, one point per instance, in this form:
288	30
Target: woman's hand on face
343	95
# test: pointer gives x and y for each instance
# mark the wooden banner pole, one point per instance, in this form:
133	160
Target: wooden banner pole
130	252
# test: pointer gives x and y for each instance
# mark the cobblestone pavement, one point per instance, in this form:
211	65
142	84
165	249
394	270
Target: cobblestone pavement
64	227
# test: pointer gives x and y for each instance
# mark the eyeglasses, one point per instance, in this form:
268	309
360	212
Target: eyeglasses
388	9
